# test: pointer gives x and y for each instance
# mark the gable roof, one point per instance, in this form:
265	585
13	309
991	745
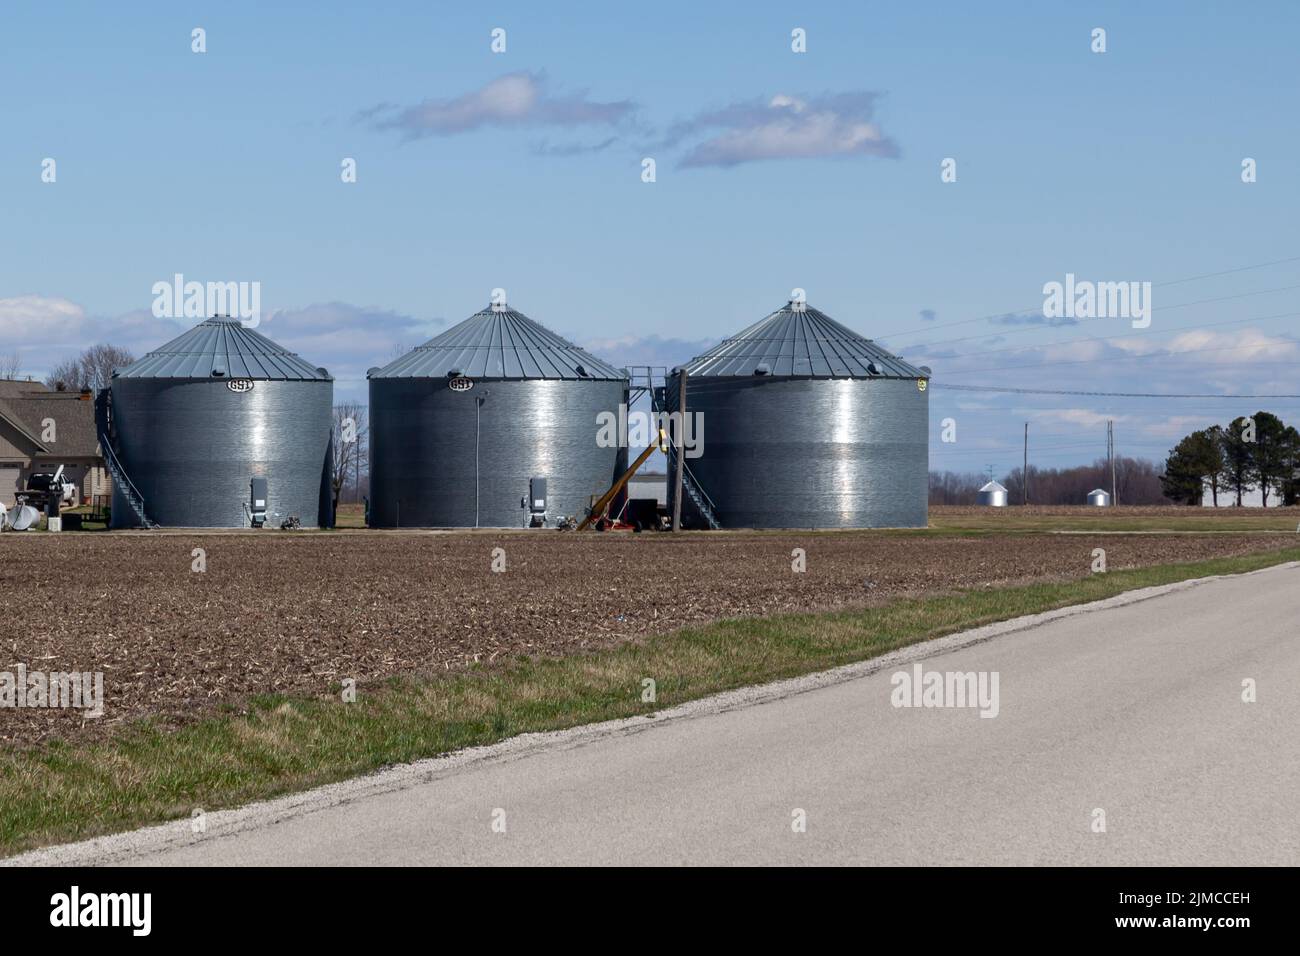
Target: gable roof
499	343
798	341
73	417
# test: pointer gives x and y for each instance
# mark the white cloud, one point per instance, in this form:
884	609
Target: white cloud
44	330
514	100
786	127
1223	348
346	339
1083	417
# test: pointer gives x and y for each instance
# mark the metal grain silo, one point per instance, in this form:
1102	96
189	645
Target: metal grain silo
482	422
806	424
1099	498
992	495
188	430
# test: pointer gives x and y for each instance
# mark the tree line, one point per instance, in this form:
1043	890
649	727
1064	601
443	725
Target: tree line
1137	482
1260	452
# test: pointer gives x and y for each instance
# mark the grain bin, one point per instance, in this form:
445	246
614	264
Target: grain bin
468	428
194	423
992	495
1099	498
805	424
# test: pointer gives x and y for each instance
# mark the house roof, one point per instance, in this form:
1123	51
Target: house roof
798	341
223	348
10	387
73	418
499	343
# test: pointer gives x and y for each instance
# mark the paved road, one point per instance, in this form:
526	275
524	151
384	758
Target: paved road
1136	710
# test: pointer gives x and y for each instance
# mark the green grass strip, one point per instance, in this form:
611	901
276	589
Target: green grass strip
66	791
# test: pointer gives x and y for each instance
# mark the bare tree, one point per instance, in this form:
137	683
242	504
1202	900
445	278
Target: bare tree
10	365
351	434
65	375
92	369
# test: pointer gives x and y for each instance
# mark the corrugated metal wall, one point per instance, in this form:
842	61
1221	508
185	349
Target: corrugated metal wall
423	465
812	453
191	447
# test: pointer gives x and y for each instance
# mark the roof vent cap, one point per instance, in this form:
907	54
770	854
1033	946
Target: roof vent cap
762	368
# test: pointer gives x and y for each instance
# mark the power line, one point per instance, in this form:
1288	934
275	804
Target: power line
1227	272
1158	285
1094	338
1258	346
1057	391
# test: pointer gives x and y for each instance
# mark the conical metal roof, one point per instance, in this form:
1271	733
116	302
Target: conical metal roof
798	341
993	486
223	348
499	343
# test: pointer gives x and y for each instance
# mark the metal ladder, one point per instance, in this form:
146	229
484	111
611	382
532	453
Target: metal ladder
704	505
664	399
104	425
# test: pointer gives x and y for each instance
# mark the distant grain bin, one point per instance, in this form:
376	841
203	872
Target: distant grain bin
494	424
192	427
806	424
992	495
1099	498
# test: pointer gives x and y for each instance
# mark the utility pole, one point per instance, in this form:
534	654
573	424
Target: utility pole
1024	471
679	444
1110	452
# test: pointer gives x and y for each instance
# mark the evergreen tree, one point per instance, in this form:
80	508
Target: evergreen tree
1237	442
1214	461
1194	460
1269	466
1290	486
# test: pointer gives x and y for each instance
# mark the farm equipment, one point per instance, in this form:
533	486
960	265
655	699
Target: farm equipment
599	515
21	517
45	492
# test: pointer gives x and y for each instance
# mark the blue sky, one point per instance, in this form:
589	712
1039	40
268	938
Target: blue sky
775	170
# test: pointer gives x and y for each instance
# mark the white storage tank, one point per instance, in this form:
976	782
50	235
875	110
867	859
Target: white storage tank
993	495
1099	498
